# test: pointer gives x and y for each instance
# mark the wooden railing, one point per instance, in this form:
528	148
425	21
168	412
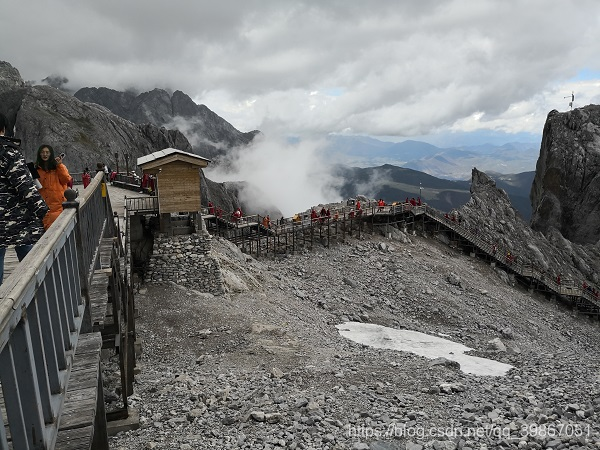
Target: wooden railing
519	265
42	311
141	204
127	179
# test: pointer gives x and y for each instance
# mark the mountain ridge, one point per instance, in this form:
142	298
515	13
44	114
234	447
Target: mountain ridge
453	162
210	134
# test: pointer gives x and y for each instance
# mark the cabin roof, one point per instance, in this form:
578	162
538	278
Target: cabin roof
170	155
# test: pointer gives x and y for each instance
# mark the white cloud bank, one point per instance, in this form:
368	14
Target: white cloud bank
292	176
385	68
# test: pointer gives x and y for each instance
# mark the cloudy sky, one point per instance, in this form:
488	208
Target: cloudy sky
436	70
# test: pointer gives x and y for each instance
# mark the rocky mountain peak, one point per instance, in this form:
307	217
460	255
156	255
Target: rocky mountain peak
10	78
566	187
490	215
210	135
483	185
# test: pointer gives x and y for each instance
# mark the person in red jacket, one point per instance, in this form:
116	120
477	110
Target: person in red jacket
86	177
54	178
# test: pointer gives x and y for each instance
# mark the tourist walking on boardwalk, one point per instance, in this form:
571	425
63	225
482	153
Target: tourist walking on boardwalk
266	222
237	215
313	215
54	178
21	206
86	177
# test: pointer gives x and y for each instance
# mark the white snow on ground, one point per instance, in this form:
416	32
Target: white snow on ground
421	344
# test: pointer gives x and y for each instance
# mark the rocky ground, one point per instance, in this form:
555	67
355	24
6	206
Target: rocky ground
264	367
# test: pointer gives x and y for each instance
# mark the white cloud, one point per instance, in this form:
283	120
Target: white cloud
292	175
385	68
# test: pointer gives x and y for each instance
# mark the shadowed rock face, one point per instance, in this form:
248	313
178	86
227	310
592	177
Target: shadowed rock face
87	133
566	189
490	214
211	135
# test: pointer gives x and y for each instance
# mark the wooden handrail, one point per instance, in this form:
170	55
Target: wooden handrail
42	311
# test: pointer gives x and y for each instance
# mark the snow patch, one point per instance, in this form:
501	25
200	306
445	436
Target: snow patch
421	344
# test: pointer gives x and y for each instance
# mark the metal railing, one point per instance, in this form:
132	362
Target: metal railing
141	204
127	179
521	266
42	311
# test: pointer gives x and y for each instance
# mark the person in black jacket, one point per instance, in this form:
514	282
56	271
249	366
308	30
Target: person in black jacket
21	206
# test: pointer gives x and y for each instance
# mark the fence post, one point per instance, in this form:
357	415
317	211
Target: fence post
86	323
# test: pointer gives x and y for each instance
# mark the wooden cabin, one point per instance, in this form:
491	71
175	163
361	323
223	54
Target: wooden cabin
177	183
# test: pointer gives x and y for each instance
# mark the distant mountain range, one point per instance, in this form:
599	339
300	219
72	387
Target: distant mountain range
454	163
435	170
393	183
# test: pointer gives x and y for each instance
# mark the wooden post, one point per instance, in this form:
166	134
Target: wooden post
86	323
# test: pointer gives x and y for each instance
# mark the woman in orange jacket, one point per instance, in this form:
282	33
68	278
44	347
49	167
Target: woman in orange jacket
54	177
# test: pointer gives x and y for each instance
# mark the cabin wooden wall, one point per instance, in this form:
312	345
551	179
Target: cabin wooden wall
178	187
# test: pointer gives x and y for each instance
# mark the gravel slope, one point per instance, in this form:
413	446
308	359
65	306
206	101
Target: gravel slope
264	367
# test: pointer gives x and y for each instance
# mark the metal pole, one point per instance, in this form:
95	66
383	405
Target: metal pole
117	161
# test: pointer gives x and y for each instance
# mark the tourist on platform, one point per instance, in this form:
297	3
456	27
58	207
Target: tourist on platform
313	215
237	215
323	214
54	177
266	222
211	208
21	206
86	177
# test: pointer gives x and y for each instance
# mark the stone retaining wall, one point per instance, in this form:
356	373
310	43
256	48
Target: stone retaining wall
185	260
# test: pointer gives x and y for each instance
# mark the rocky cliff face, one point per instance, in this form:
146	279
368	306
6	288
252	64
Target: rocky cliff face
566	187
87	133
210	134
490	214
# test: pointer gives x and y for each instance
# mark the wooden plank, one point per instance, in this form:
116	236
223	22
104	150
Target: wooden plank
4	416
98	299
179	188
75	439
78	416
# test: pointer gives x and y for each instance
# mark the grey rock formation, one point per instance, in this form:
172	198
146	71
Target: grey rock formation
211	135
566	187
87	133
490	215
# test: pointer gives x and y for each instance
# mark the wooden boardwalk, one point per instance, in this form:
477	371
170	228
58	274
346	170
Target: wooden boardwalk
70	287
288	236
